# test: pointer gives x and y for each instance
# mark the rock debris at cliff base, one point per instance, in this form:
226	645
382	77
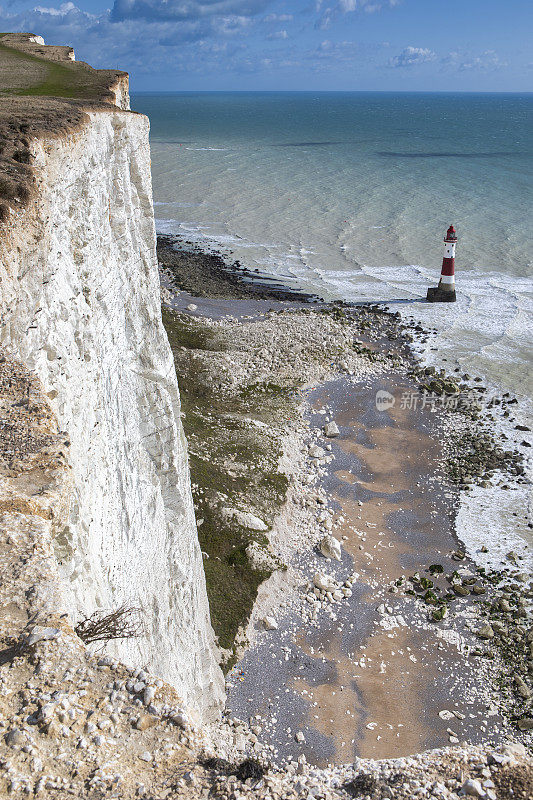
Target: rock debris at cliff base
242	384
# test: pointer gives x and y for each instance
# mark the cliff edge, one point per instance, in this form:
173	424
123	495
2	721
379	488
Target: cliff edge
80	310
44	92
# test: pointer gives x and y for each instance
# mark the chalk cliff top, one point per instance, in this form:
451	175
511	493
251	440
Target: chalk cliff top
30	68
44	92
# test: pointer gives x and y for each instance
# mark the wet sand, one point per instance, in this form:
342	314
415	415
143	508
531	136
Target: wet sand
366	683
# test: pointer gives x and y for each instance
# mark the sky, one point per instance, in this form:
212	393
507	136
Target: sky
277	45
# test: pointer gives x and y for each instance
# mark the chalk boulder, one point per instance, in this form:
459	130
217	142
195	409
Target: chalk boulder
316	452
331	430
324	582
245	519
330	547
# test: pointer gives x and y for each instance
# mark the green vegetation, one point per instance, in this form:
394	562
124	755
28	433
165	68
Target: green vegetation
233	464
193	337
266	391
55	79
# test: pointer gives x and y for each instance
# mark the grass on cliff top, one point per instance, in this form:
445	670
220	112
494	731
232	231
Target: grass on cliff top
228	458
26	74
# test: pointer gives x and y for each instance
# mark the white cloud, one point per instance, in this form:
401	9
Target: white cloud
486	61
328	14
412	56
63	9
233	24
278	35
277	18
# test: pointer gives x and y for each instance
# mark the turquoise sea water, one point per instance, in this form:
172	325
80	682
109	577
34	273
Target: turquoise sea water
349	195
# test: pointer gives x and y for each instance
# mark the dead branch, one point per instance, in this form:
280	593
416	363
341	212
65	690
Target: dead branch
124	623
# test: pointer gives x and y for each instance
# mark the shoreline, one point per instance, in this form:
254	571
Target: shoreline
246	309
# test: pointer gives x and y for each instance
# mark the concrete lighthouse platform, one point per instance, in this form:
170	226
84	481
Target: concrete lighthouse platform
437	295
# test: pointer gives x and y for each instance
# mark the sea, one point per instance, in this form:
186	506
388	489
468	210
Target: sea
348	195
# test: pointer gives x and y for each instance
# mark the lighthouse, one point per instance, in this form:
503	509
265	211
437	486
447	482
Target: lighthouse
445	291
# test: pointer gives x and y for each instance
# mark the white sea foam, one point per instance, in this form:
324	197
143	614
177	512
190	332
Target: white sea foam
483	521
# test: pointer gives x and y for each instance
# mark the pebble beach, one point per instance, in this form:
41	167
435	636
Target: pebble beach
379	638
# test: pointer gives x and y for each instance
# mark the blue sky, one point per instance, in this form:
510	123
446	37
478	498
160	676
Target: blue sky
394	45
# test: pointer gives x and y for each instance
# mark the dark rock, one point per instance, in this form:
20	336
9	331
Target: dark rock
361	785
250	768
219	765
13	737
436	295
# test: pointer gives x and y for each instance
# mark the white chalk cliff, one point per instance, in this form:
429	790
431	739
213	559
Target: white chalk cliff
80	306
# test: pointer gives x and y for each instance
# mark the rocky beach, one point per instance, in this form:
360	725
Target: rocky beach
378	637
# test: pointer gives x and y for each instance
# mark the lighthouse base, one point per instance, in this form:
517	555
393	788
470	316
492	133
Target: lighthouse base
438	295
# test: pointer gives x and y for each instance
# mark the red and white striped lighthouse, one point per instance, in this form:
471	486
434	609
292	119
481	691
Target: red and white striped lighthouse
445	291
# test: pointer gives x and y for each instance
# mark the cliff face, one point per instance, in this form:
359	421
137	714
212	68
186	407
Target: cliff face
79	305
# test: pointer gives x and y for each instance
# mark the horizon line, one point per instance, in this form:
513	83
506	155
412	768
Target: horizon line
329	91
